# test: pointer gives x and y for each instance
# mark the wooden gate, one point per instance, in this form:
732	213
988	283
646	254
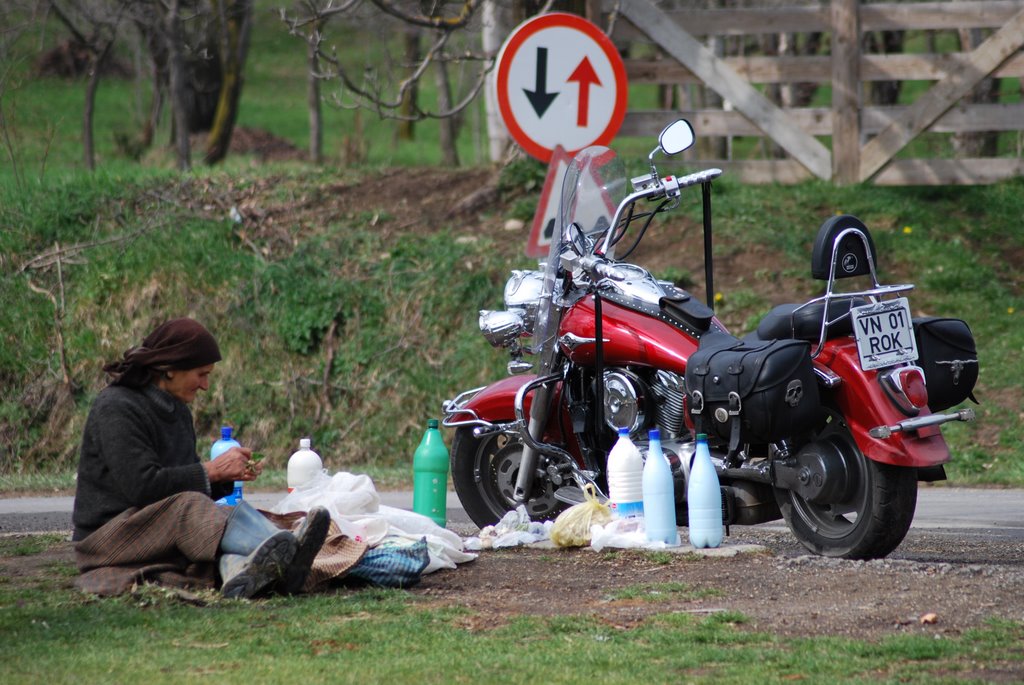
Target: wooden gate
851	140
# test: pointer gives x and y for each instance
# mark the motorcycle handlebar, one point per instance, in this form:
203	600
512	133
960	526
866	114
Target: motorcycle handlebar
597	266
673	184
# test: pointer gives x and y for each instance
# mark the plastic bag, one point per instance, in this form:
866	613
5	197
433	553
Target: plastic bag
572	527
515	528
624	534
354	505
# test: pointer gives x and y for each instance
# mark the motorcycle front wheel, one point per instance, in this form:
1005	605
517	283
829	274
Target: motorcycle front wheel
872	519
484	472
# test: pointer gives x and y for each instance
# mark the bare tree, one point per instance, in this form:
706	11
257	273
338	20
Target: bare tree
17	17
176	73
496	24
885	43
456	40
413	50
980	143
316	125
307	22
388	86
197	49
233	19
94	26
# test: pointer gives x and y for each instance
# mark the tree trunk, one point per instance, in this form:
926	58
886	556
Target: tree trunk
235	24
155	109
88	153
449	125
889	43
176	70
980	143
411	54
496	26
772	45
316	130
155	44
98	61
803	92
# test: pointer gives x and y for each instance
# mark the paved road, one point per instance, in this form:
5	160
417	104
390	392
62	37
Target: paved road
1000	512
49	514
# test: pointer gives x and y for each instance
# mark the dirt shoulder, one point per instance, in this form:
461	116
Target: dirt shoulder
940	583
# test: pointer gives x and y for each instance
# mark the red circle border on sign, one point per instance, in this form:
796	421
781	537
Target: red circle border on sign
516	40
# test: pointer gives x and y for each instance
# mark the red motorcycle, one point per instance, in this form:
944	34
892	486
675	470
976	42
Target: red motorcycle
827	416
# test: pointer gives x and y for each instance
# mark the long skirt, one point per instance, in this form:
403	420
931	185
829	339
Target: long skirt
176	542
171	542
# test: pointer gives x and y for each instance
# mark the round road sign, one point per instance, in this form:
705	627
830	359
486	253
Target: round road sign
560	82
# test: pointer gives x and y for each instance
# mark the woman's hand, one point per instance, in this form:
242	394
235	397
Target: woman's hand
235	464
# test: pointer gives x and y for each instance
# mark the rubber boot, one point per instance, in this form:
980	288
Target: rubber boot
311	535
256	553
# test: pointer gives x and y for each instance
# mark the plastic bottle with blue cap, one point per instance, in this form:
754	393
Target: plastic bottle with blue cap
221	446
659	494
704	498
625	478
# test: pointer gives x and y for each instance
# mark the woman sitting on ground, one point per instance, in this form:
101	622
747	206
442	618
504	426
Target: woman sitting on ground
145	502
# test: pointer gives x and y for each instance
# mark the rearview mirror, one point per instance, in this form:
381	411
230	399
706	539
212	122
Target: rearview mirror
676	137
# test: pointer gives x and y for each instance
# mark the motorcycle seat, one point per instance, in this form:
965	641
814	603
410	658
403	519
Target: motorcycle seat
788	321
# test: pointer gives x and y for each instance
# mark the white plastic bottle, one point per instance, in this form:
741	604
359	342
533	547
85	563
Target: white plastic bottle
218	448
625	478
303	465
659	495
704	499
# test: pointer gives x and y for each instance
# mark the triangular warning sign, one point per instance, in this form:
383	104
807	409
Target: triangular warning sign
545	219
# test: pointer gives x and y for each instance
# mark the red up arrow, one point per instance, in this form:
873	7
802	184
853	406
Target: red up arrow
585	75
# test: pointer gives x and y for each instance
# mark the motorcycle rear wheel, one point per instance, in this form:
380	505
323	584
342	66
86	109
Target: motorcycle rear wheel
484	472
871	521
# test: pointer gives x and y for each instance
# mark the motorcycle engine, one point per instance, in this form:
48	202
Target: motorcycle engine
635	402
624	398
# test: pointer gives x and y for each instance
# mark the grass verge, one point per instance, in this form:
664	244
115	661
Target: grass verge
54	634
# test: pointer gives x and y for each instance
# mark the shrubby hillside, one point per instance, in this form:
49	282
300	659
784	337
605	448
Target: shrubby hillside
346	302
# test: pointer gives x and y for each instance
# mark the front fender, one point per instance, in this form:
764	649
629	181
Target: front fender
864	406
496	402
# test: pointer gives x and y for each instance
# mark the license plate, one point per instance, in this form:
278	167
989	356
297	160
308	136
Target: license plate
885	336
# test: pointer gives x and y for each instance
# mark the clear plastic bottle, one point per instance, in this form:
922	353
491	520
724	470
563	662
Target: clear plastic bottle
659	494
222	445
704	498
303	465
625	478
430	475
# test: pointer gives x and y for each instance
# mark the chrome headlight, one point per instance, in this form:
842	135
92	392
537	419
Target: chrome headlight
501	329
523	291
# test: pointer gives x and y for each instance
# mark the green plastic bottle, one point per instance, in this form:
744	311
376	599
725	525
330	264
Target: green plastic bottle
430	475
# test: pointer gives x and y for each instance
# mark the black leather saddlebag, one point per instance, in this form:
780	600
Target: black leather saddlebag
743	391
949	358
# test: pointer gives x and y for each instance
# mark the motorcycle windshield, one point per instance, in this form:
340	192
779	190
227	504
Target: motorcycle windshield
593	186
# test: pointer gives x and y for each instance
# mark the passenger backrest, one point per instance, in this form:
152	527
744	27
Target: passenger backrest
851	252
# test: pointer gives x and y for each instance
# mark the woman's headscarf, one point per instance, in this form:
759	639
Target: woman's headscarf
177	344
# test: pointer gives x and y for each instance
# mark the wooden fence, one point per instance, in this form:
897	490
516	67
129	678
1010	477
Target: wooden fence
853	140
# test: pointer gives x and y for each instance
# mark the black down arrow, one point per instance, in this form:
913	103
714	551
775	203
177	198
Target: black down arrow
540	98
